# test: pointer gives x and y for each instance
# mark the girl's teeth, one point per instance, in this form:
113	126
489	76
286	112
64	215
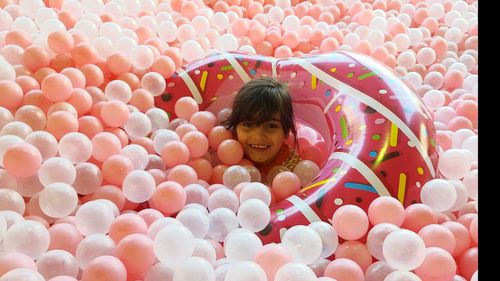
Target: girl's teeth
259	146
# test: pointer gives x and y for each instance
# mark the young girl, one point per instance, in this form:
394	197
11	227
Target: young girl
262	119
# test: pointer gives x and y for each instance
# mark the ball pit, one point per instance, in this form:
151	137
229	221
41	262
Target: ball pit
92	113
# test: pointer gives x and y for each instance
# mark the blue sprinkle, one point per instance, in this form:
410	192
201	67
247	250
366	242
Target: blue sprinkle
373	153
328	92
253	72
360	186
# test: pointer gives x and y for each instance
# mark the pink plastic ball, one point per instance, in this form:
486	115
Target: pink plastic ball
11	94
435	235
271	257
417	216
285	184
13	260
204	121
183	174
196	142
307	171
468	263
64	236
217	135
350	222
438	264
136	252
22	160
127	224
56	87
169	197
344	269
386	209
104	145
355	251
105	268
230	152
185	107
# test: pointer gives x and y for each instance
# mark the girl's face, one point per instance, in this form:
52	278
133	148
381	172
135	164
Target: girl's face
261	142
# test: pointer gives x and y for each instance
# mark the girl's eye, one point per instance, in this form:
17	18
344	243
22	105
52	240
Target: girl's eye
272	126
247	124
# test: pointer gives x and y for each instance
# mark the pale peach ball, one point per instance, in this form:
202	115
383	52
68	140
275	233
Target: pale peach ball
62	106
104	145
115	168
142	99
76	76
22	160
56	87
114	113
11	94
31	115
81	100
60	123
185	107
89	125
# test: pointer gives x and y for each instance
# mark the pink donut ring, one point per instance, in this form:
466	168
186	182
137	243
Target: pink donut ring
370	133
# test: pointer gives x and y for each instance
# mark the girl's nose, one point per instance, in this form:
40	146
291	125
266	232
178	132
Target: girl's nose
257	131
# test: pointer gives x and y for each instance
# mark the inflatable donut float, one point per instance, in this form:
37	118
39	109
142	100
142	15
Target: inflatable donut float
370	133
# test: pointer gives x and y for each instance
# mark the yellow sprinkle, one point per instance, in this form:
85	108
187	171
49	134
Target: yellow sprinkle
349	142
402	187
220	76
394	135
338	108
334	69
420	170
314	82
203	81
317	184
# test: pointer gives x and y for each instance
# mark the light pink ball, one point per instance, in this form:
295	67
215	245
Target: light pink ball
435	235
350	222
438	264
185	107
344	269
386	209
230	152
196	142
183	174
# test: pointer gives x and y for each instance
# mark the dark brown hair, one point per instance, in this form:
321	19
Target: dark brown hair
258	100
